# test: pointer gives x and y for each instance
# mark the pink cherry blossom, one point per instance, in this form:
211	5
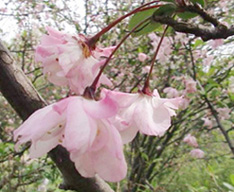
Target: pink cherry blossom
224	113
190	85
216	43
67	60
83	128
146	69
142	57
171	92
165	49
197	153
184	103
153	36
190	140
207	123
208	59
151	115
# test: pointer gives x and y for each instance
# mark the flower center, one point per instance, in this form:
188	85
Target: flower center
85	49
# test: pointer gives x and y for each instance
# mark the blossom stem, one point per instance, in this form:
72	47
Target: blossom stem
94	84
146	88
92	41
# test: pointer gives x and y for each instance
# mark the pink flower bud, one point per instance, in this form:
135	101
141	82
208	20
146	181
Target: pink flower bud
207	123
197	153
216	43
224	113
190	140
190	85
171	92
142	57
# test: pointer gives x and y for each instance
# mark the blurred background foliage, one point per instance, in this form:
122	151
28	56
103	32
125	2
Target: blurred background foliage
159	164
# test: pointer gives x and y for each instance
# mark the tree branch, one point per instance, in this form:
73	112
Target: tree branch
206	33
206	16
23	97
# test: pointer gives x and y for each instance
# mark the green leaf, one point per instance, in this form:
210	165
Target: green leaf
215	92
166	10
201	2
231	96
198	42
232	178
211	71
149	26
187	15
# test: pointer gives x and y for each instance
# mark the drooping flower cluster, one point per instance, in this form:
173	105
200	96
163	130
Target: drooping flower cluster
94	132
68	60
83	128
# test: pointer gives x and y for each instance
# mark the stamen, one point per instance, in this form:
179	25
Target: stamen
85	49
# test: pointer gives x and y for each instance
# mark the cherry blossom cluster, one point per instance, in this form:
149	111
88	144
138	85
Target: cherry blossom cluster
94	131
192	141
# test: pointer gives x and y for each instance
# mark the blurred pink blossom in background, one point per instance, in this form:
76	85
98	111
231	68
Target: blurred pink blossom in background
190	85
171	92
190	140
142	57
207	123
224	113
197	153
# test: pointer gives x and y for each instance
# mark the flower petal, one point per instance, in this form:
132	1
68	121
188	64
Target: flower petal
104	108
109	162
123	99
38	124
77	130
155	121
84	165
41	147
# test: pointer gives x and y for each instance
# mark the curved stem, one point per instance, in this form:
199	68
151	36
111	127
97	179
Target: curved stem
146	88
94	84
92	41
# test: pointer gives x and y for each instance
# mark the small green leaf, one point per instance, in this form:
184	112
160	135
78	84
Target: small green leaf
187	15
215	92
165	10
149	26
201	2
232	178
231	96
211	71
198	42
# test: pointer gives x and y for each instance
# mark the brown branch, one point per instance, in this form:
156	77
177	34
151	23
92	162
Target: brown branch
206	33
206	16
23	97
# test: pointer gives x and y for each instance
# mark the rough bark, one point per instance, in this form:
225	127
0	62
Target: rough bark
24	98
206	33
